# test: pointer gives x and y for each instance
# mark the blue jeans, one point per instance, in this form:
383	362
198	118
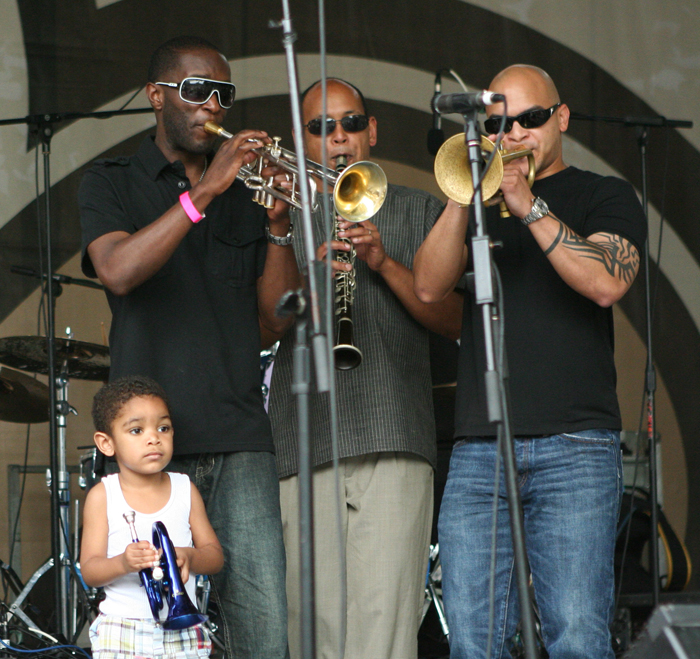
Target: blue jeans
570	486
241	494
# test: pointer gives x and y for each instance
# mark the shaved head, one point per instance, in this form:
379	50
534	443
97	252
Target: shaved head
529	88
534	77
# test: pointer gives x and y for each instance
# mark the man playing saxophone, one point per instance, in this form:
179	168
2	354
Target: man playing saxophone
385	415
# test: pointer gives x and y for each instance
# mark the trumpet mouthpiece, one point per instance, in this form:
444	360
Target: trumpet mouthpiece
215	129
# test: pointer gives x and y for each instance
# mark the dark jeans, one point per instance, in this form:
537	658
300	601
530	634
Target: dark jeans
570	486
241	494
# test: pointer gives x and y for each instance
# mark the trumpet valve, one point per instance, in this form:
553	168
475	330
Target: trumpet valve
276	149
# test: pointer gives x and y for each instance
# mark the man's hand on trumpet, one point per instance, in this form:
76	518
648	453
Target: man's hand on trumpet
229	159
226	164
516	192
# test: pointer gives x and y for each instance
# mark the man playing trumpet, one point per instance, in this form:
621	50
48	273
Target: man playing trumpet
569	252
385	416
190	277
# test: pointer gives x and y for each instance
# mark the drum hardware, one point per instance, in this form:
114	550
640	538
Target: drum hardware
74	359
433	589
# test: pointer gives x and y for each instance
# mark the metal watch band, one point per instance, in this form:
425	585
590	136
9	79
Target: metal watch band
539	210
276	240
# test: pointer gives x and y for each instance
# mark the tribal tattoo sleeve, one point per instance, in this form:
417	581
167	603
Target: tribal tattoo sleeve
619	256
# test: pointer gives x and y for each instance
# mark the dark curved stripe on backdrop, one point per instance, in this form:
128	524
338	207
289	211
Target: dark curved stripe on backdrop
79	58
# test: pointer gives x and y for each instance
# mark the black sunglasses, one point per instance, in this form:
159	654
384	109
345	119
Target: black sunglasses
200	90
529	119
353	123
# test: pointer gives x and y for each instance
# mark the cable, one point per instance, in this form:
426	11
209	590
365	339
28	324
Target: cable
48	649
500	354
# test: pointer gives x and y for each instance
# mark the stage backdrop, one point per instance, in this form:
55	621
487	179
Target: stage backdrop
627	58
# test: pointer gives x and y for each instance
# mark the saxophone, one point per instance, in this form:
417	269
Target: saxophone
347	356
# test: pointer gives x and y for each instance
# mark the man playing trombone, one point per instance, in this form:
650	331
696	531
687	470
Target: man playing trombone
567	254
191	279
385	417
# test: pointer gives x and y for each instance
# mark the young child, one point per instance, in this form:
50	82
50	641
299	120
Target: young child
132	422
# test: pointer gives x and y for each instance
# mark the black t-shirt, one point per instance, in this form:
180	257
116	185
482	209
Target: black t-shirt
559	344
193	327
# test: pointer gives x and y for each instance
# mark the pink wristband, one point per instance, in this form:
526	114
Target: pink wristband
189	208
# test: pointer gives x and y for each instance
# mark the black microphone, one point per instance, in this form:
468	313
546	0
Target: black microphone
465	101
436	136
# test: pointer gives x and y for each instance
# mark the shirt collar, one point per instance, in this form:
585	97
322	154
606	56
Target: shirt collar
154	161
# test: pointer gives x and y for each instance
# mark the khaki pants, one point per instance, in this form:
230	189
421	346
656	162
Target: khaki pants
386	515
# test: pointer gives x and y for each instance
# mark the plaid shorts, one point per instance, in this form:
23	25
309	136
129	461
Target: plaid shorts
114	637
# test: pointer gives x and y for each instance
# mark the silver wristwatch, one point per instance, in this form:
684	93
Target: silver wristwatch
539	210
277	240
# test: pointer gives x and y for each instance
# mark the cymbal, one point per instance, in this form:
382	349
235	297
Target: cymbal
22	398
78	359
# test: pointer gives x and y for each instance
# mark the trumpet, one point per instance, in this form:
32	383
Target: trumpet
453	174
166	585
358	191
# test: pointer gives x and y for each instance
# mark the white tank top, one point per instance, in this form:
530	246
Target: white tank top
126	597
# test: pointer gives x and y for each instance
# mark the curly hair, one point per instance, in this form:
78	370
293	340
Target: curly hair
167	56
110	399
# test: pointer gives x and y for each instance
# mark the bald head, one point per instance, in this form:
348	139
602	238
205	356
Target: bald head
529	88
533	77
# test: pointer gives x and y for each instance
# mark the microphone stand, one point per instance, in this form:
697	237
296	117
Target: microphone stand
497	395
306	306
642	126
43	126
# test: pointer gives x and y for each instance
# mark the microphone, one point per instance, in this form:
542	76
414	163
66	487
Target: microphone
436	136
465	101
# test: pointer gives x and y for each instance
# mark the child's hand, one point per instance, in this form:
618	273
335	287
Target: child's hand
183	562
140	555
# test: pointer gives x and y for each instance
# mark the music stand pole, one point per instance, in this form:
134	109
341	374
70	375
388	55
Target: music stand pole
311	333
642	125
498	400
45	133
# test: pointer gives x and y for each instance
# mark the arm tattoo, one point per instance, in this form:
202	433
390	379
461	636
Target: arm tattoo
618	255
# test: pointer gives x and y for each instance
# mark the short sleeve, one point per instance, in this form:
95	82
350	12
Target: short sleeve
614	208
101	212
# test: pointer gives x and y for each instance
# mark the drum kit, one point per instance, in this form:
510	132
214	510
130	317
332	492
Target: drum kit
24	399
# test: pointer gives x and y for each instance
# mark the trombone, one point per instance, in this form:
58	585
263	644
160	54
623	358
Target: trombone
453	174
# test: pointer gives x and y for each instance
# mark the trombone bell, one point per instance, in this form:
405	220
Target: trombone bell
453	171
